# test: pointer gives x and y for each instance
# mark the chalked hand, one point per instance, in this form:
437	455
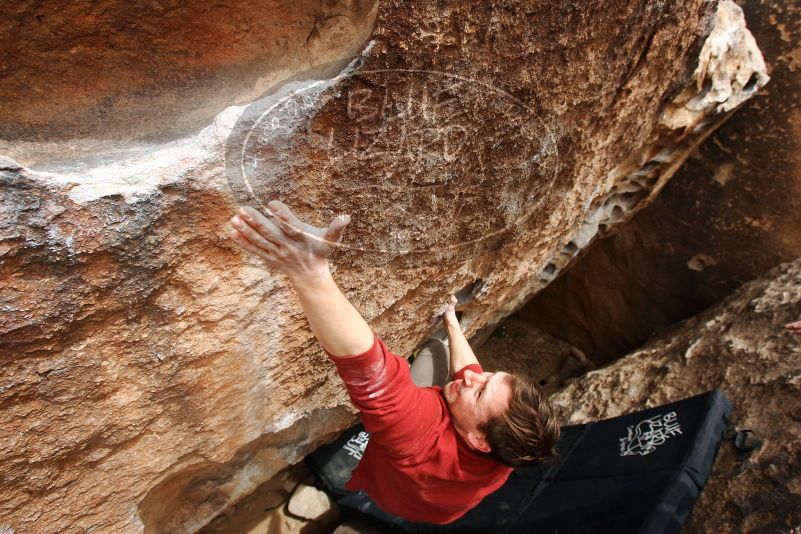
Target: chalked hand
287	243
449	317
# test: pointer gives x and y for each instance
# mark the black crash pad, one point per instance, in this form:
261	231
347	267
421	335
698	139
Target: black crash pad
637	473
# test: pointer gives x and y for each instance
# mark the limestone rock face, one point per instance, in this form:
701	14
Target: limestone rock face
151	373
740	347
731	213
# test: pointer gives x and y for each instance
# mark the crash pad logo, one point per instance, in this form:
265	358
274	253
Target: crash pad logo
644	437
357	444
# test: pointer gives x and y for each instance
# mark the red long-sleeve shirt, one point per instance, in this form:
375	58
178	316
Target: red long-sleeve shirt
416	466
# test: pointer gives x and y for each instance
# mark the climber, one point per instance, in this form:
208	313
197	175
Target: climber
434	452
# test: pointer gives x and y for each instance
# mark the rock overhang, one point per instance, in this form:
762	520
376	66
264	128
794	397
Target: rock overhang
102	81
122	271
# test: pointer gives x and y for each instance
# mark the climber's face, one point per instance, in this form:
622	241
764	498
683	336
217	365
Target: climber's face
475	400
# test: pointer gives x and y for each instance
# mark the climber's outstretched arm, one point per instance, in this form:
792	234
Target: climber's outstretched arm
461	353
301	252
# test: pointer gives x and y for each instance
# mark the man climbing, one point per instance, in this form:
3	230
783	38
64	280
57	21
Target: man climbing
434	452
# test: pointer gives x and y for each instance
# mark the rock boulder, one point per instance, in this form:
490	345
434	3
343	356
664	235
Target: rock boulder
730	214
151	373
739	346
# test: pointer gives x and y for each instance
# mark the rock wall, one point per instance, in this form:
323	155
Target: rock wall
95	80
740	347
730	214
151	374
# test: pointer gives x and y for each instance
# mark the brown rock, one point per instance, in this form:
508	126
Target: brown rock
310	503
277	521
356	527
517	347
259	511
152	374
731	213
739	346
93	77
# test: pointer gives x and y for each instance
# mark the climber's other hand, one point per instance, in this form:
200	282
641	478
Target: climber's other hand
449	317
794	327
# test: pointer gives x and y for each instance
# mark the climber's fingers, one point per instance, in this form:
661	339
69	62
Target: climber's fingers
289	223
242	241
336	229
254	237
450	307
264	226
794	327
449	317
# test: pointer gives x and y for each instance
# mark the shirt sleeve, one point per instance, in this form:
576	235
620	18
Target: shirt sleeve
476	368
398	414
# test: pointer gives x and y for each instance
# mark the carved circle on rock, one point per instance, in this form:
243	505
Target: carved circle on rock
406	152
